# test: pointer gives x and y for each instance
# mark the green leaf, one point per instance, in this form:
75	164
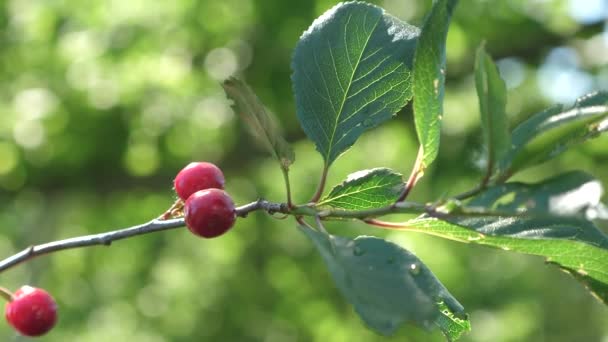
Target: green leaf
574	193
452	326
351	72
366	189
386	284
262	125
492	94
429	78
548	133
575	246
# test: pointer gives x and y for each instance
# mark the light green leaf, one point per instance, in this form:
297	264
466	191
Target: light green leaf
262	125
386	284
351	72
548	133
492	94
452	326
574	193
574	245
429	78
366	189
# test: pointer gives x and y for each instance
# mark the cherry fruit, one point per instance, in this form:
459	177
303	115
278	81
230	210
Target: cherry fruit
209	213
31	311
198	176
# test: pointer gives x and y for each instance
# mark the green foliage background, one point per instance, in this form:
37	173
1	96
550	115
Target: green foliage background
102	102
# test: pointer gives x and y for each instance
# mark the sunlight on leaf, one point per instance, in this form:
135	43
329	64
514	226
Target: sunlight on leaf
429	78
492	94
366	189
351	72
547	134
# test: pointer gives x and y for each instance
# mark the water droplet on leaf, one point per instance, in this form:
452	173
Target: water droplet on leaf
358	251
415	268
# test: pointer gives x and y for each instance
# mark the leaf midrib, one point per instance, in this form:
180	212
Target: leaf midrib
485	79
456	234
357	191
350	82
254	106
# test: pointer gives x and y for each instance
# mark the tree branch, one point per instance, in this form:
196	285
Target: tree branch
106	239
161	224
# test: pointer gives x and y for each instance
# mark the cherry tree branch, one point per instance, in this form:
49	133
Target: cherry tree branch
161	224
106	239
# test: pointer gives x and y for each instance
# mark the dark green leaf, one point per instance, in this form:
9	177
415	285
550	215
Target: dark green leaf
574	245
386	284
366	189
429	78
351	72
548	133
492	94
249	107
573	193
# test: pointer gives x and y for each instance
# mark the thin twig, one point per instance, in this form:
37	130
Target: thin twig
319	214
107	238
470	193
89	240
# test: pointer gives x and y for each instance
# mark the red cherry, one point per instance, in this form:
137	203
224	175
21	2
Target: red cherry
198	176
31	311
209	213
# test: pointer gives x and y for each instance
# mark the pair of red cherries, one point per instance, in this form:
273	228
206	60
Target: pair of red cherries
208	211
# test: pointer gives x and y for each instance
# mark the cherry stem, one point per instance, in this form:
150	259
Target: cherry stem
178	205
6	294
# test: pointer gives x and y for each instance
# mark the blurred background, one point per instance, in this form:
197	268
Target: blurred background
102	102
